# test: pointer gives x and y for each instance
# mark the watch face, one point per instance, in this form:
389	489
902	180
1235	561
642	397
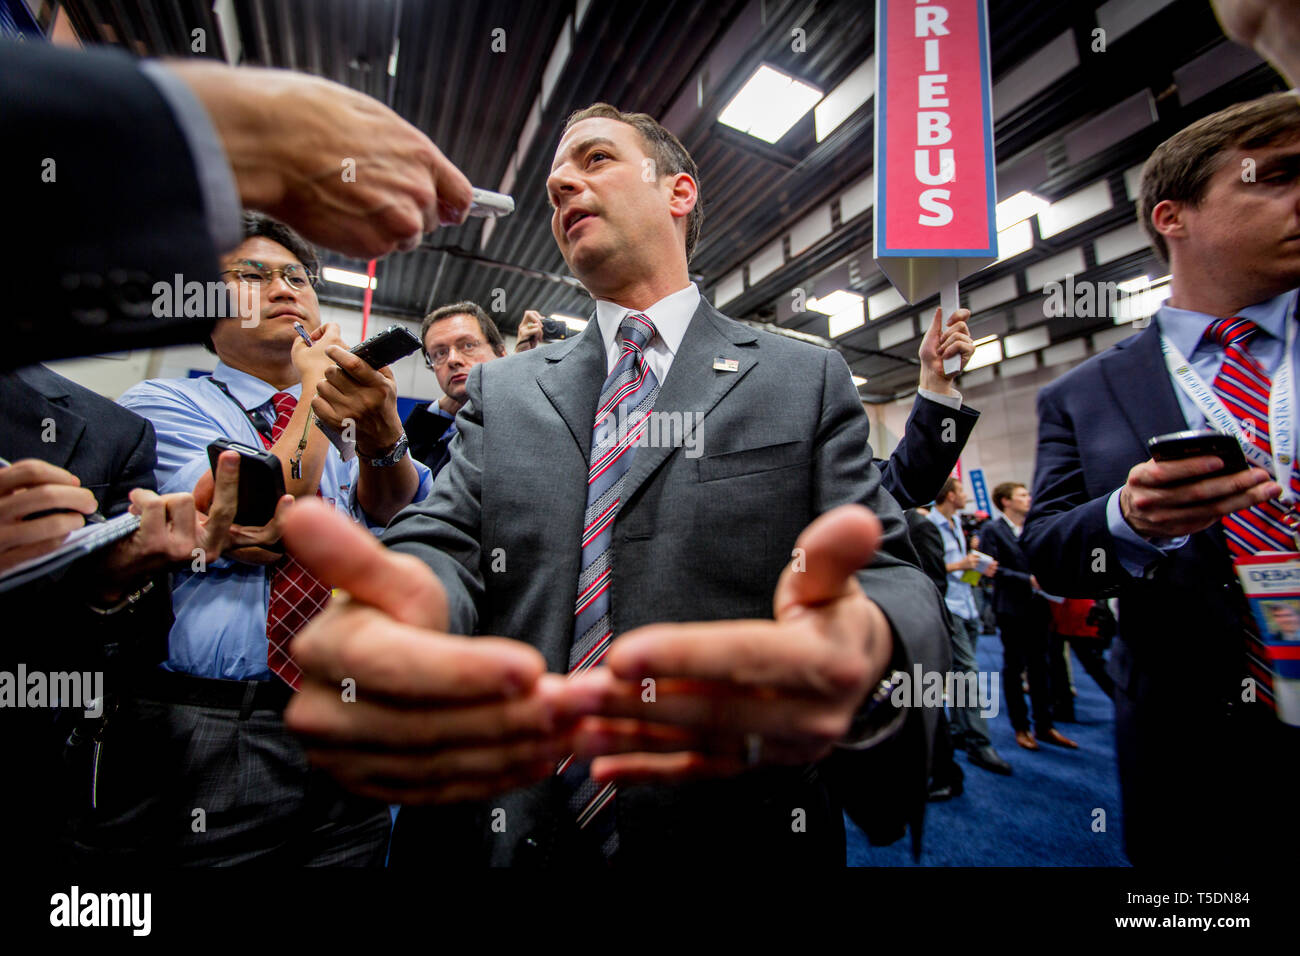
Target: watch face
394	456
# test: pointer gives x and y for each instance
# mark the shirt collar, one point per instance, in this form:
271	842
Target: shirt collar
1010	524
249	390
670	315
1186	329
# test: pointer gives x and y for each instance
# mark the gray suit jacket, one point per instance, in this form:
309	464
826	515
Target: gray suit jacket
784	438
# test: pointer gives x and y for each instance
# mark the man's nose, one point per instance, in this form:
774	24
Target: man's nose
281	290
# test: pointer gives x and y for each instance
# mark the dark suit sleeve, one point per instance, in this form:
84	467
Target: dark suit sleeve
101	175
898	767
450	542
932	441
994	543
1066	539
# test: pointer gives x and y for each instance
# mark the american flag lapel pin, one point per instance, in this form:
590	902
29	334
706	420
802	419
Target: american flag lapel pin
721	364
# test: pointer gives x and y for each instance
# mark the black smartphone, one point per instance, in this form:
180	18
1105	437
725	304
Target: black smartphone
1197	442
261	480
553	330
386	347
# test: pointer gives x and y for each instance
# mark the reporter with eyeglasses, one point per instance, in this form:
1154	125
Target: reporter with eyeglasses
205	730
456	337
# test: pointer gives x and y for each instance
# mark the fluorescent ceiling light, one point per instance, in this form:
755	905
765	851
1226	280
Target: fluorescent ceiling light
1014	240
844	308
1023	205
769	104
987	338
392	57
358	280
859	381
1136	284
841	102
989	353
571	321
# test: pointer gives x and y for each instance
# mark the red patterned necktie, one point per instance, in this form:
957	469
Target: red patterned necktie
296	593
1243	386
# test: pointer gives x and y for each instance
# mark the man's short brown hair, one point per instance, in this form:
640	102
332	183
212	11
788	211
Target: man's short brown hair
663	147
491	334
948	488
1004	491
1181	166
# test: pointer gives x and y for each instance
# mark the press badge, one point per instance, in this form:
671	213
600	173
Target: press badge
1271	582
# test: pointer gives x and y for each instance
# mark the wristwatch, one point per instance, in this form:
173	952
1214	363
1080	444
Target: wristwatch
393	457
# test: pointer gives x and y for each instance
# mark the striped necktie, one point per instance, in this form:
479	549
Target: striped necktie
296	593
622	413
1243	386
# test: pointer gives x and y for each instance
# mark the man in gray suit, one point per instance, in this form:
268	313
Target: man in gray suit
566	522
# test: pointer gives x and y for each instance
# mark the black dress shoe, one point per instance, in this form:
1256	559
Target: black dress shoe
989	759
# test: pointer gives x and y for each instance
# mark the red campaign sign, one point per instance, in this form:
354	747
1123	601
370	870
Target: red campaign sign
935	193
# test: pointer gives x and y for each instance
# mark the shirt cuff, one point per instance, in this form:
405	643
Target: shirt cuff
221	203
952	401
1135	552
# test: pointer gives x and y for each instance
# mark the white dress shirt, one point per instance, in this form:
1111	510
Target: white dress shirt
670	315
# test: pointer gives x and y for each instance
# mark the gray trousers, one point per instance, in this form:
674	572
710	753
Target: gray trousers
968	730
188	785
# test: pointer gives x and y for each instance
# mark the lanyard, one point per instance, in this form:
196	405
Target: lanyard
264	428
1281	410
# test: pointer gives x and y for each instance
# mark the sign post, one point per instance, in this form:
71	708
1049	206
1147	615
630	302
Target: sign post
936	195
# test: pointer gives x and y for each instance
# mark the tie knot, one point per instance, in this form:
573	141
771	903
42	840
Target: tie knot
636	329
284	402
1232	331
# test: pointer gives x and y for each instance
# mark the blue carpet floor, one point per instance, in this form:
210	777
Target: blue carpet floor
1041	815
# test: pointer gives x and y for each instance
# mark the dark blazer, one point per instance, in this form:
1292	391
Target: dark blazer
1178	660
929	548
1013	594
423	428
124	209
784	438
48	624
925	456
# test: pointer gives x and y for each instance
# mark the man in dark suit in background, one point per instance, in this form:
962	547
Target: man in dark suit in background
725	740
1198	753
455	338
1024	620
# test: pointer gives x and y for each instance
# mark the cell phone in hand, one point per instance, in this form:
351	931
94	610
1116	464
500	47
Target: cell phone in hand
261	481
386	347
1197	442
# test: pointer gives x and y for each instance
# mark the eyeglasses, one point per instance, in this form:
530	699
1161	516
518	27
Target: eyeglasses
255	273
438	357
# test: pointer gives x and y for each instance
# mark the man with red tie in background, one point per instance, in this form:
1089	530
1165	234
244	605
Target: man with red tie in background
1201	749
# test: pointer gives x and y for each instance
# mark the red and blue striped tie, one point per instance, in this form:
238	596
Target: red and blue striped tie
1243	386
622	415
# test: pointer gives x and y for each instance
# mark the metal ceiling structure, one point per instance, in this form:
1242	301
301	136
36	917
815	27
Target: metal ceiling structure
492	82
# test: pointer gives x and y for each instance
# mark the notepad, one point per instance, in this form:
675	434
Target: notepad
75	546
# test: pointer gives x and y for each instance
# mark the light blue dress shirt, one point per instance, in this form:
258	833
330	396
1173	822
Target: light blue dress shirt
1187	331
960	596
220	628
